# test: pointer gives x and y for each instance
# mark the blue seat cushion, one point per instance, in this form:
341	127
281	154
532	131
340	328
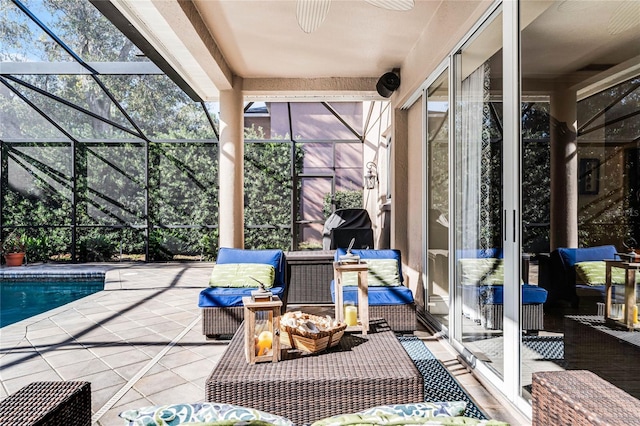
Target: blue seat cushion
495	253
225	297
273	257
494	295
397	295
571	256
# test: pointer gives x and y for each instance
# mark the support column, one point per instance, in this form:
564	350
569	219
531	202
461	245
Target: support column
399	181
564	169
231	169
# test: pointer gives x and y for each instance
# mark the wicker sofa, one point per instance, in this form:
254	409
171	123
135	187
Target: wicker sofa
222	309
560	275
393	303
481	275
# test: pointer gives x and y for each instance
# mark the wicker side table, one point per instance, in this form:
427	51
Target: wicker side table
48	403
580	398
310	273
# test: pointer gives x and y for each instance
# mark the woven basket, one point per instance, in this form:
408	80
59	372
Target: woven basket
314	342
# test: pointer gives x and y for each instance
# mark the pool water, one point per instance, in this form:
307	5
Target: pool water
24	299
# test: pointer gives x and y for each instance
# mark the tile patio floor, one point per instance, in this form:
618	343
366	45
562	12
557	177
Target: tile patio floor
139	343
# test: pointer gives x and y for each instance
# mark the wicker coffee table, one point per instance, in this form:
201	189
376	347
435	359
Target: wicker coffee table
360	372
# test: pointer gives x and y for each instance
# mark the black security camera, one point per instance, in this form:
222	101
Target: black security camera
387	84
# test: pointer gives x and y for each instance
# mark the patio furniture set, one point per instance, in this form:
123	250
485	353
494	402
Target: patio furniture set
363	371
222	309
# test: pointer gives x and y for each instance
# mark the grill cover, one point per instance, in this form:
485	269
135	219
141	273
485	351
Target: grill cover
345	224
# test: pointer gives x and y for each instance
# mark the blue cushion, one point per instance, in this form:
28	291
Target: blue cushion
531	294
223	297
570	256
374	254
273	257
495	253
397	295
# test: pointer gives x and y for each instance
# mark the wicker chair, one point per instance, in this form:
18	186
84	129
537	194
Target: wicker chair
481	277
222	309
395	303
48	403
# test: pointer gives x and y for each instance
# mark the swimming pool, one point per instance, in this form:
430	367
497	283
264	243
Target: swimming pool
23	299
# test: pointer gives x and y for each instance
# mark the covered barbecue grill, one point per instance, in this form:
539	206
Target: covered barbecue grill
345	224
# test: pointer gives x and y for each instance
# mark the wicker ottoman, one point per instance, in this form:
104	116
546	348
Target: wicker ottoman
48	403
580	398
589	344
359	373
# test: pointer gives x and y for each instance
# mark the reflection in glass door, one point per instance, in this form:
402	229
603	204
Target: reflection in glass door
579	153
437	282
478	257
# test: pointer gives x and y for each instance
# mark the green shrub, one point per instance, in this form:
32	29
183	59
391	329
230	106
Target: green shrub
97	248
342	200
38	249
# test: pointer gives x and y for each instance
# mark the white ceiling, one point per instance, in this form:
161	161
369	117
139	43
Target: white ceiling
261	38
211	42
257	45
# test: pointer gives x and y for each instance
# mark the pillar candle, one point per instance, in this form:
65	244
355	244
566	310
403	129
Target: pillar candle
351	315
265	340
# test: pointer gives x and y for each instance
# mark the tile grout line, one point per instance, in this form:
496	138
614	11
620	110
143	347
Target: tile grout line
124	389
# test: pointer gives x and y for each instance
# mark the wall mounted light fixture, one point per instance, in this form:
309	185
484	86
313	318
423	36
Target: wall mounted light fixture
371	177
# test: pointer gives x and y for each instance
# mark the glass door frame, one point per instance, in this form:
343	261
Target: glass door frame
443	67
512	148
512	130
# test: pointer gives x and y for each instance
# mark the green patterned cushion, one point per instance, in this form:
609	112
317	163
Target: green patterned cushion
242	275
231	423
485	271
424	409
200	413
397	420
381	272
594	273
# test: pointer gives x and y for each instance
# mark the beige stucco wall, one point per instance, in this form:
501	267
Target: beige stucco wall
377	119
414	211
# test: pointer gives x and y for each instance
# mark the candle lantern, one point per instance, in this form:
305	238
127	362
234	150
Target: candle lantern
621	306
262	329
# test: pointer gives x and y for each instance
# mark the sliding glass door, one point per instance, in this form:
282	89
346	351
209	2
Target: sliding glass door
478	235
437	291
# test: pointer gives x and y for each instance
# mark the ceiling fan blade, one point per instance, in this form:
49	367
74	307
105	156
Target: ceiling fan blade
393	4
311	13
